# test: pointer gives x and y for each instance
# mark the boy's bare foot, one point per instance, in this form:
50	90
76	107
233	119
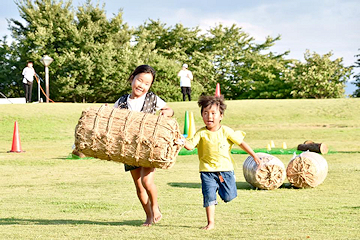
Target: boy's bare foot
157	216
148	222
209	226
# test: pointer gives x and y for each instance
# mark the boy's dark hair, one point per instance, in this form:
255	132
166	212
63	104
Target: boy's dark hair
143	69
205	101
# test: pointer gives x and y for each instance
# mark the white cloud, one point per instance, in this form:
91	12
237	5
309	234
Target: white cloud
257	32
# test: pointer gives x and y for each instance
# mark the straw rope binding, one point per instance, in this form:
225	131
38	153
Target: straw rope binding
270	175
134	138
307	169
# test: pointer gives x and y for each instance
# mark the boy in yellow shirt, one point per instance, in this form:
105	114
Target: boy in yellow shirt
214	144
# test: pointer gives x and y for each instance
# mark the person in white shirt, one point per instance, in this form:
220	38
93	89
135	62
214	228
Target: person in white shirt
28	79
185	81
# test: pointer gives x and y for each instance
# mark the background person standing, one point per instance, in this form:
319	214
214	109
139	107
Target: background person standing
185	81
28	79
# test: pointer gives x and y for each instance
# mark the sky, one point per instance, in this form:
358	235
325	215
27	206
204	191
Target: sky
320	26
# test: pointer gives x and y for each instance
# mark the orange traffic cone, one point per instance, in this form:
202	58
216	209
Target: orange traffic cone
16	145
217	91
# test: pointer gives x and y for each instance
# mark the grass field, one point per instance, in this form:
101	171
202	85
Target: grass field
44	195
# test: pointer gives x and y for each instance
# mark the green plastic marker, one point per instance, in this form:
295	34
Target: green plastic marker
186	124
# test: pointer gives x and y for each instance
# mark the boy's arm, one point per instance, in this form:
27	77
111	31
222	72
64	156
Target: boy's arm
188	145
249	150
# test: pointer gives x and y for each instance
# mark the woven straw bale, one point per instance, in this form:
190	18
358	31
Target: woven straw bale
134	138
270	175
307	169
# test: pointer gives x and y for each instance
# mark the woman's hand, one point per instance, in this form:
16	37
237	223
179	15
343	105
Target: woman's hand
167	112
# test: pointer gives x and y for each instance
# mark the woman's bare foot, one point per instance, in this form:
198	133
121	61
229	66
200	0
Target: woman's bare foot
148	222
157	216
209	226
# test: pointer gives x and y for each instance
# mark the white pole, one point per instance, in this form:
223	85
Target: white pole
47	84
46	60
38	89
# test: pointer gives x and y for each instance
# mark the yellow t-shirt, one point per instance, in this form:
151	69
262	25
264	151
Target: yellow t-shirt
214	148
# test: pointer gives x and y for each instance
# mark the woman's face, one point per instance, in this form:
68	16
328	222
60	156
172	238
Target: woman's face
141	84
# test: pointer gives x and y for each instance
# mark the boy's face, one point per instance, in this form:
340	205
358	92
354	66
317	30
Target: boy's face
211	116
141	84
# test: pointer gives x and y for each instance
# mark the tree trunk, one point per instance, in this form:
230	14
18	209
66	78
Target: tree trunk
313	147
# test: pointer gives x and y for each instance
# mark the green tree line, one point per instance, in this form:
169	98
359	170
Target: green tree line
357	77
94	56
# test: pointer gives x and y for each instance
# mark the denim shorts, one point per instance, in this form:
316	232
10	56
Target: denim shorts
211	183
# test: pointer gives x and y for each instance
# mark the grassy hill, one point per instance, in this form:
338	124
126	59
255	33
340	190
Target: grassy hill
47	196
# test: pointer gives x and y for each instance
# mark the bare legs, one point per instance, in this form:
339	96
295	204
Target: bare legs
147	193
210	214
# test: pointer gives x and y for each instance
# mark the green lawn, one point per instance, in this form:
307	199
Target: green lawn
44	195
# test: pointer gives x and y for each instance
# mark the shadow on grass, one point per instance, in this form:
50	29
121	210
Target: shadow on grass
19	221
288	186
355	208
184	185
239	185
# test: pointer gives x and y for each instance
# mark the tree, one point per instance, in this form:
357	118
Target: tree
262	77
241	66
167	48
47	30
176	42
4	66
357	77
88	49
96	67
94	57
318	77
221	55
11	67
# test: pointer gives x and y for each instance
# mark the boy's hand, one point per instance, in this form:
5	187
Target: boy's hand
188	145
182	140
257	160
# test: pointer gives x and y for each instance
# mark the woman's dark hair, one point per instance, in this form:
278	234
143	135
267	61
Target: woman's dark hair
143	69
205	101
